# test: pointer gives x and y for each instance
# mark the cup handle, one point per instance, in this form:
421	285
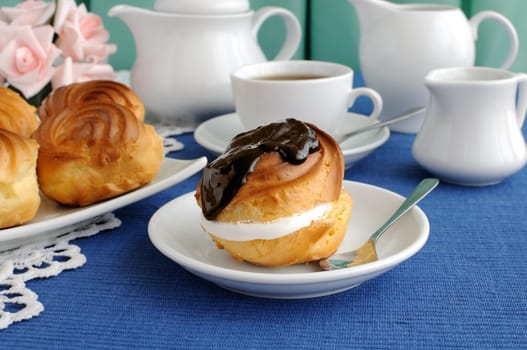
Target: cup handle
521	106
509	27
374	97
294	30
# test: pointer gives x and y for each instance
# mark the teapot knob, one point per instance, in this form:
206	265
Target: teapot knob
202	6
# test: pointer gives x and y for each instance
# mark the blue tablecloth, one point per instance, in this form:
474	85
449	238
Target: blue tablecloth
467	288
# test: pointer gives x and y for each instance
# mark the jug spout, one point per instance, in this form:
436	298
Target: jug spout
133	16
145	25
371	11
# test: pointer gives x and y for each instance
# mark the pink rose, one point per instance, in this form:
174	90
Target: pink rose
27	56
29	12
81	35
70	72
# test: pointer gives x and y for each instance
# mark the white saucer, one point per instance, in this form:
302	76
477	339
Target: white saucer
175	231
215	133
53	219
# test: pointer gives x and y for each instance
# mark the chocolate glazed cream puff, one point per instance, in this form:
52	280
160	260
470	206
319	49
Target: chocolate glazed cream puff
275	196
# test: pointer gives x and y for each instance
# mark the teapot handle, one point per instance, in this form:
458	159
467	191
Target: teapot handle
509	27
294	30
521	108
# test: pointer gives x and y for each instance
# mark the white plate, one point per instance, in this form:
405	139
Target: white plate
175	231
215	133
53	219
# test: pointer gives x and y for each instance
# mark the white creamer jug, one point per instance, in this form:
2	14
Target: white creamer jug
401	43
472	131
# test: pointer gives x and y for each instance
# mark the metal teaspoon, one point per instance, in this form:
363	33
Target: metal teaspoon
367	252
409	113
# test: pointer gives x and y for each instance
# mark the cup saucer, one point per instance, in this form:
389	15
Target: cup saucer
215	133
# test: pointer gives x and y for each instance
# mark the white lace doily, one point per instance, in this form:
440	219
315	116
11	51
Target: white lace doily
170	144
50	257
41	260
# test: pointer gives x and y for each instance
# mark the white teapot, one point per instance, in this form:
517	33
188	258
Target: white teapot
401	43
187	49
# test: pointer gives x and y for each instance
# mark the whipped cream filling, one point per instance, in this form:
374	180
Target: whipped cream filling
248	231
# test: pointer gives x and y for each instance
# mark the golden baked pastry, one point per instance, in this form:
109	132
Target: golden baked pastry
19	195
277	172
314	242
16	115
91	91
95	151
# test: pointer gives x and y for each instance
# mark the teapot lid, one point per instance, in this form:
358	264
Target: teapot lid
202	6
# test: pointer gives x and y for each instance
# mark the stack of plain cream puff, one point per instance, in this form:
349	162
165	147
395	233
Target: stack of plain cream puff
275	197
88	143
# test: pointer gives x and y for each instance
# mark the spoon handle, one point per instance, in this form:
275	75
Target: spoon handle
409	113
422	189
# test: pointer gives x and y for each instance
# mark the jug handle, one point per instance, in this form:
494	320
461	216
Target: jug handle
521	107
509	27
294	30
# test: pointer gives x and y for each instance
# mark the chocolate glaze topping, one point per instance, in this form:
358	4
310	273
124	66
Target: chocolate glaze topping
292	139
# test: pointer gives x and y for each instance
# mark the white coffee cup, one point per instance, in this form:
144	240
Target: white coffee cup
313	91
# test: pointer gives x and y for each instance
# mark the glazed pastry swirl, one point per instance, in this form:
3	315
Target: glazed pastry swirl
16	115
94	152
91	91
97	132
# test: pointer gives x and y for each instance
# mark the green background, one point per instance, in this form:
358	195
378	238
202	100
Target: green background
331	30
